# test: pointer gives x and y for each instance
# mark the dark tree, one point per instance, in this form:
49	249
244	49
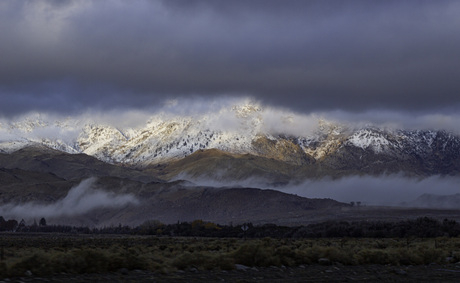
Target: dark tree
22	223
11	225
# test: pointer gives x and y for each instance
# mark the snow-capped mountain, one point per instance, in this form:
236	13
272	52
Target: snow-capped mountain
162	138
241	129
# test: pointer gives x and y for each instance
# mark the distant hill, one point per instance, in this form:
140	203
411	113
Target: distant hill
44	180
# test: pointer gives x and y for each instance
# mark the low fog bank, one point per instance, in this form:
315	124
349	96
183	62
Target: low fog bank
388	190
220	180
80	199
392	190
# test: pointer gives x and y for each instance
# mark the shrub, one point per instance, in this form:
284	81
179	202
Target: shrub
373	256
201	261
90	261
256	254
37	263
431	255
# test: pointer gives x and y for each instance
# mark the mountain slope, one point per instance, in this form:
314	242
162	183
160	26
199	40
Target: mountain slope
32	195
413	152
17	185
67	166
226	168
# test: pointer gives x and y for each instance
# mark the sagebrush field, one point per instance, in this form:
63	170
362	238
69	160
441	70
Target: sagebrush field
47	254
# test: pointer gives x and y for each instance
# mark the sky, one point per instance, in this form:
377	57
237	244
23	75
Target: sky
361	59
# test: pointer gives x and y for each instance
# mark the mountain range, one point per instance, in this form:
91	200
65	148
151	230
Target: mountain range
194	146
43	160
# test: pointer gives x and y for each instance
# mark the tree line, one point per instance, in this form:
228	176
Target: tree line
423	227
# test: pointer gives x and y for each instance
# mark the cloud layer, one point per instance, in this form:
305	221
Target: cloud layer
79	200
234	115
386	190
354	56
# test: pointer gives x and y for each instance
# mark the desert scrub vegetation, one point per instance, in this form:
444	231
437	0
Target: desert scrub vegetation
47	254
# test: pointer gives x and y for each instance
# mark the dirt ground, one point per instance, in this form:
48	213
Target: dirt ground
310	273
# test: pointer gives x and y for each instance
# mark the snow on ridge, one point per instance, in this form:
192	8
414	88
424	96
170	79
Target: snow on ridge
369	139
165	137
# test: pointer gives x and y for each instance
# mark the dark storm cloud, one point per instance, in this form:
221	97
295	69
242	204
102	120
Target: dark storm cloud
306	55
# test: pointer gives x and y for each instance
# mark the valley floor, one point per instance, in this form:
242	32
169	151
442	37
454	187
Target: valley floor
310	273
55	257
